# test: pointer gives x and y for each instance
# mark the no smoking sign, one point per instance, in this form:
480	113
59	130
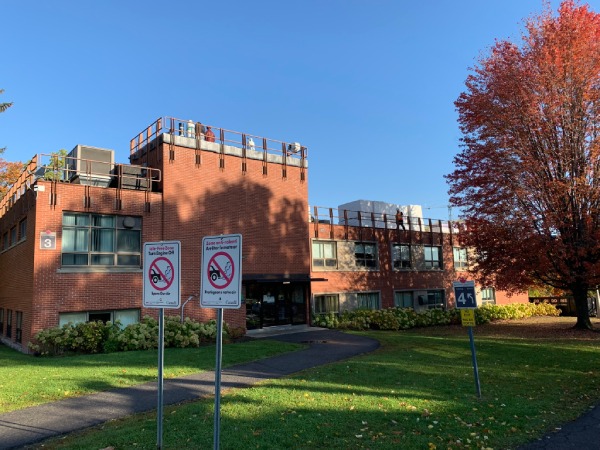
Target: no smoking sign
161	274
221	281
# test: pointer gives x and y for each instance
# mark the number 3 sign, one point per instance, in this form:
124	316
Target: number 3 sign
47	240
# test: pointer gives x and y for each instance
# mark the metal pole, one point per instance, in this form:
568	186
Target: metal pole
218	377
474	357
159	408
185	303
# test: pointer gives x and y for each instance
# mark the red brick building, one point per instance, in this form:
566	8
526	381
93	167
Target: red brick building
72	231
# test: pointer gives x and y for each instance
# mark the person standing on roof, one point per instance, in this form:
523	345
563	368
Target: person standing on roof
209	136
399	219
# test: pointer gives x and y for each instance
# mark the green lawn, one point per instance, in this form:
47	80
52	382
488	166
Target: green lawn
416	392
26	380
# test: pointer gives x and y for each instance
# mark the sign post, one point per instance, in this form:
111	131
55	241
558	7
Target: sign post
464	293
161	289
220	287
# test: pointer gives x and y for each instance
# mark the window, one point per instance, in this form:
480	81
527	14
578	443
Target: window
101	240
1	320
327	304
324	254
13	235
23	229
432	257
488	295
460	258
404	299
5	243
368	300
19	326
124	316
9	323
401	256
432	300
365	255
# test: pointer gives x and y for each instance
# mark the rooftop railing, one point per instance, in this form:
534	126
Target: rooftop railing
335	216
66	169
203	132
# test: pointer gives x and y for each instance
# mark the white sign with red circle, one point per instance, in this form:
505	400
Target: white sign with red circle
221	272
162	287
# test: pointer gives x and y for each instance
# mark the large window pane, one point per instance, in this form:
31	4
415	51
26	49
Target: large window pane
127	317
404	299
368	300
94	239
128	260
401	256
75	240
103	221
103	260
76	219
103	240
76	317
324	254
432	257
75	259
365	254
326	304
128	240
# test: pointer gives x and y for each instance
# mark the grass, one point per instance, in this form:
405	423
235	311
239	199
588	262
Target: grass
28	381
417	391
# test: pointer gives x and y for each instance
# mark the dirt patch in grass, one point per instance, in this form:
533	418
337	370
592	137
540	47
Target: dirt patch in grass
532	328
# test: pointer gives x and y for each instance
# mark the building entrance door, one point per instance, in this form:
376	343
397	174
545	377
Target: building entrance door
270	304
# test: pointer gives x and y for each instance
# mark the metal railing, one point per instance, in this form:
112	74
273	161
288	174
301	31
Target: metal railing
63	168
67	169
368	219
200	132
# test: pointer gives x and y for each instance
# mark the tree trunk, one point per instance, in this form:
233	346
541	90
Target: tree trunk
581	305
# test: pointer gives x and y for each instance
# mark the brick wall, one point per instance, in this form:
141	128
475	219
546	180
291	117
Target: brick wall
218	196
386	280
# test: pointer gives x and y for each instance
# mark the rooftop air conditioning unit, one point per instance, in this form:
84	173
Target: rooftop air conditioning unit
91	166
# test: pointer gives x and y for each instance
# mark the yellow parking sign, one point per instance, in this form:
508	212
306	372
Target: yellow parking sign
468	317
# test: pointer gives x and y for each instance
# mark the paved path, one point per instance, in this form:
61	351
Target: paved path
581	434
31	425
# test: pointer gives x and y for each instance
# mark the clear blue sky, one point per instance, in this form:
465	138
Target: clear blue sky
368	86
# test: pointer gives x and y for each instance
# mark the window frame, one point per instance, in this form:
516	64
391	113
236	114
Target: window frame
18	326
429	261
403	305
428	304
368	263
23	229
404	263
488	299
460	257
326	300
321	250
9	323
369	297
84	239
85	315
13	236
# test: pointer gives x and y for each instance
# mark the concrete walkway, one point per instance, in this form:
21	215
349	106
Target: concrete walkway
31	425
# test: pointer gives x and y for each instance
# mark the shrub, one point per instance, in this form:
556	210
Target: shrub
88	337
405	318
97	337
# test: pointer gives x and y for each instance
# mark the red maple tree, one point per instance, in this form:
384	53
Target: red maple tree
528	175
